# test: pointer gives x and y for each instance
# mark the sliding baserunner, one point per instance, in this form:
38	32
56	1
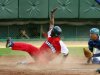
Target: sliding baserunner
51	48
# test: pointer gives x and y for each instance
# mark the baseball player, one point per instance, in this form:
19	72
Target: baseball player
52	47
94	47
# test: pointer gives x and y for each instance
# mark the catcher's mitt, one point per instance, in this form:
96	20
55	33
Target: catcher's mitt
88	54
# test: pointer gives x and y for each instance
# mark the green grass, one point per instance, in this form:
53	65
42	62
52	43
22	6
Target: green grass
74	51
8	52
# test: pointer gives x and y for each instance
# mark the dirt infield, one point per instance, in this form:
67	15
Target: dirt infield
72	66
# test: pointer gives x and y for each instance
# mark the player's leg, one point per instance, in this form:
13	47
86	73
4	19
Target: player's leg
96	56
96	60
32	50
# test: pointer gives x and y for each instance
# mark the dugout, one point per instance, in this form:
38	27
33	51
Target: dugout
72	30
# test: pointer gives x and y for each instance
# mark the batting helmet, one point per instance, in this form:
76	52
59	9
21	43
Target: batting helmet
56	31
94	31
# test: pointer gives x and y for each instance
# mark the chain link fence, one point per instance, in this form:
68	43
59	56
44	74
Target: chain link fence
38	31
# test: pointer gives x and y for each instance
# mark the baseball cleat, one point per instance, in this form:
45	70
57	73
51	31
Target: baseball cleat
25	63
9	42
22	63
98	70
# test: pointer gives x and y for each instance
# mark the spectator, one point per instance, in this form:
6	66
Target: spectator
23	34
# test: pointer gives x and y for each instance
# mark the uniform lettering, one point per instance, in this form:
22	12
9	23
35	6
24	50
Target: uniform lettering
51	46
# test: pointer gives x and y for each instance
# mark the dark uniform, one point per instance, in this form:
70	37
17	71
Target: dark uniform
94	46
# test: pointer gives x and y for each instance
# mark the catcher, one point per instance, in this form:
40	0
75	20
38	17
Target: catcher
52	47
93	53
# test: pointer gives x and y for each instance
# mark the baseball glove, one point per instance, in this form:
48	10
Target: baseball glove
87	53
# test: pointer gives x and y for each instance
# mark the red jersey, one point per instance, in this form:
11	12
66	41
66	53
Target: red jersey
51	44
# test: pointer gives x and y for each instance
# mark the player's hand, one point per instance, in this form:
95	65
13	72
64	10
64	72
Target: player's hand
54	10
65	55
87	53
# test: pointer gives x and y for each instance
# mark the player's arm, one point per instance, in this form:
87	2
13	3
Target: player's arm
64	51
52	18
88	52
90	45
51	22
89	59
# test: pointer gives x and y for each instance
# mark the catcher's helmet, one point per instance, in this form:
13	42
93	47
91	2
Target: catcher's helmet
94	31
56	31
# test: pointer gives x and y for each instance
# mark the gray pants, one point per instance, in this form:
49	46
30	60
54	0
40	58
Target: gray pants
96	60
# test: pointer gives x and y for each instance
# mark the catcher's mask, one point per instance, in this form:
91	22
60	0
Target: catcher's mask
56	31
